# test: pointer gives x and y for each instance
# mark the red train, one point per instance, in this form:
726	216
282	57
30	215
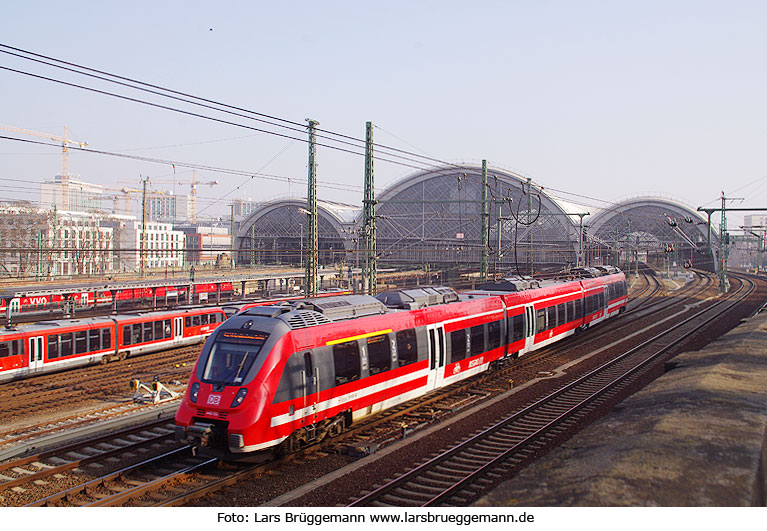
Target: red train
274	378
83	297
50	346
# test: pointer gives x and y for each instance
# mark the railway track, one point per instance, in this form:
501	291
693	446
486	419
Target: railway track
182	478
463	472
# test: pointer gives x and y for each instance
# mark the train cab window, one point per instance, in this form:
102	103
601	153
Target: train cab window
66	345
407	347
477	339
493	335
53	346
540	320
458	345
346	360
379	354
232	356
94	339
81	342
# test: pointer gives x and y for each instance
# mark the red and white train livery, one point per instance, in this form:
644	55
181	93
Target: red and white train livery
273	378
49	346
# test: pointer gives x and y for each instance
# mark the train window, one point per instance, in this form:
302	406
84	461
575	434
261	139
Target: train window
458	347
81	342
94	339
407	347
551	312
477	339
167	329
106	338
571	310
53	346
66	345
517	327
127	335
379	354
540	320
195	320
136	329
561	315
493	335
187	322
204	319
158	332
346	360
5	349
148	332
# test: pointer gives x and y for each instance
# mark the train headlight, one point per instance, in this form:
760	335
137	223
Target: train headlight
194	392
239	397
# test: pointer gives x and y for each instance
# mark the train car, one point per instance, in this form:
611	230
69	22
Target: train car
49	346
84	297
275	378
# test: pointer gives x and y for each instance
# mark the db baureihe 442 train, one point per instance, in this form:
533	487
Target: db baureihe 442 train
274	378
50	346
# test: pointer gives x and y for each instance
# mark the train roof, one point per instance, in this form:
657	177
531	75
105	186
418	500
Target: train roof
61	323
414	298
311	312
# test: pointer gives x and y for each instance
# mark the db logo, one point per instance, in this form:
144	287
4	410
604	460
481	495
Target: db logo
214	400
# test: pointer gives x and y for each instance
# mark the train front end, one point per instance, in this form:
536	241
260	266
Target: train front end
225	411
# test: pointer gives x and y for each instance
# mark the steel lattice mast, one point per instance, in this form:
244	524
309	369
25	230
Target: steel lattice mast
369	221
311	277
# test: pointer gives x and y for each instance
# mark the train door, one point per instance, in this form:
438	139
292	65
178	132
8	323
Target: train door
310	384
436	342
529	327
35	352
178	329
15	306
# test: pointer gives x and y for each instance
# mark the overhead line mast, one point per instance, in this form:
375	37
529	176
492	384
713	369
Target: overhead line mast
311	276
369	222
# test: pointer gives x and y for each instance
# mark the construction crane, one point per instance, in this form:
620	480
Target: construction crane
64	144
193	194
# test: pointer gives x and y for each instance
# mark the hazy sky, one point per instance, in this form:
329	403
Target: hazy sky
603	99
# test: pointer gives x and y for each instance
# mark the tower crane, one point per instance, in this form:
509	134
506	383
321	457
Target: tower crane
193	193
64	144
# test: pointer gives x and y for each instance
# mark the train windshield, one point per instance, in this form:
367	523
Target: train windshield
232	356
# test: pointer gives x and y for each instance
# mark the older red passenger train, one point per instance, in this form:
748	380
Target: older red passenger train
275	378
49	346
